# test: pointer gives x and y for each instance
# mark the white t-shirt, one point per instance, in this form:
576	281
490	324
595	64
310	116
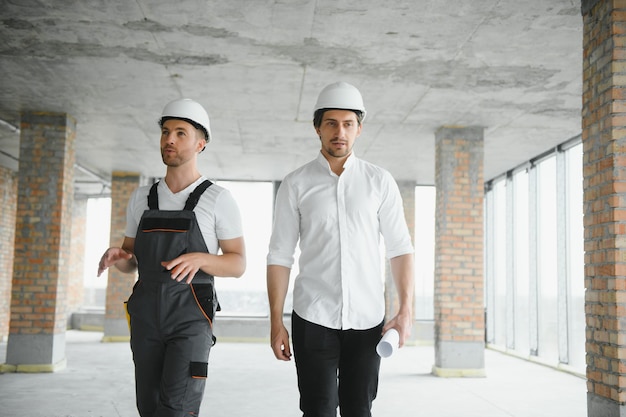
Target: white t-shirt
217	212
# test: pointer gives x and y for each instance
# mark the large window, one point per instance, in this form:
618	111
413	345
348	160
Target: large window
575	257
534	259
247	296
424	252
499	263
98	230
520	265
547	283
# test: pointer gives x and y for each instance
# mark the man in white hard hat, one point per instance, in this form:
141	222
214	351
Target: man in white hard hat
337	206
175	229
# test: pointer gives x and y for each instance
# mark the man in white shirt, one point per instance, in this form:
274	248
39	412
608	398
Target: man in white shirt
337	206
174	232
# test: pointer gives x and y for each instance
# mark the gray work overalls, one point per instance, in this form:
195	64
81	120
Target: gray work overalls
170	321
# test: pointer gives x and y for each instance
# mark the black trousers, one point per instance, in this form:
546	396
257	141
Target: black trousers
336	368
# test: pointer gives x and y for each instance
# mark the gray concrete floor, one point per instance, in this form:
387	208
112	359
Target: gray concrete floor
246	380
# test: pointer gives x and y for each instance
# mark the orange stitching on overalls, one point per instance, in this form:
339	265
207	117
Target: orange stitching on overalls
195	297
165	230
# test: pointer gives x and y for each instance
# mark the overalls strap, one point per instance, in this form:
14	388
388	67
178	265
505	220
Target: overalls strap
153	199
192	201
194	197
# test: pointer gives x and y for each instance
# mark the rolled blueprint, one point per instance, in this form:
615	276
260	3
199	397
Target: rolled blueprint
388	343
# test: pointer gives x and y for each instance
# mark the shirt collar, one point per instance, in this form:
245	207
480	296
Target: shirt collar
349	161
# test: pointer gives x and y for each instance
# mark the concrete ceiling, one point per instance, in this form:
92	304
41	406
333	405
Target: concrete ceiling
513	67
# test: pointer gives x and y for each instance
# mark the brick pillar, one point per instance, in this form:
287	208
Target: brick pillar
8	202
76	285
42	243
604	204
459	311
119	285
407	190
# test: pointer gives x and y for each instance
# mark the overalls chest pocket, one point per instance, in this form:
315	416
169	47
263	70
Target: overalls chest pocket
168	238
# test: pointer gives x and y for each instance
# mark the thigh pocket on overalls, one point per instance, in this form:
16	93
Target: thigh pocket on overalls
205	298
199	370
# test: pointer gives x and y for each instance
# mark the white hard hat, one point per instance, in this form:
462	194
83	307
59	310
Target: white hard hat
190	111
340	95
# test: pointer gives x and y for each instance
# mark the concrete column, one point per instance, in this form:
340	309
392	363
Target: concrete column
119	285
76	287
407	190
42	243
8	202
459	311
604	204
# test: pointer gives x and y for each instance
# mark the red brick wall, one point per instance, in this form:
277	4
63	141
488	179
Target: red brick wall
119	285
8	202
604	170
43	224
76	287
459	308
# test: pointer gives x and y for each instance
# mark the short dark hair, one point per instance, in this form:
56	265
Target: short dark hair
319	114
198	126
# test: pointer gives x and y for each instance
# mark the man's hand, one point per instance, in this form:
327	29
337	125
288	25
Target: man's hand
280	342
111	256
402	323
185	266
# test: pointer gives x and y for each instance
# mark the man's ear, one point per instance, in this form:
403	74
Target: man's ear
201	140
201	144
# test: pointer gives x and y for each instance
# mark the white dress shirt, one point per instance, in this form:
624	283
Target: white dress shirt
339	221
